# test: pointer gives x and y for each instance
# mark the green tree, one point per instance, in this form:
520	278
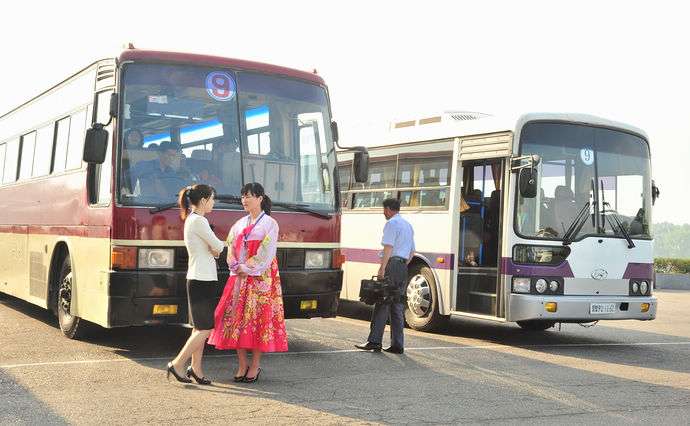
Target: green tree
671	240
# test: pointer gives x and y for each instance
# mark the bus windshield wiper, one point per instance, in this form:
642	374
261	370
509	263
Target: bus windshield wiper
616	223
225	199
576	225
234	199
164	207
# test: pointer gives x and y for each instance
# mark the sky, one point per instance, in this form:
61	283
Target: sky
623	60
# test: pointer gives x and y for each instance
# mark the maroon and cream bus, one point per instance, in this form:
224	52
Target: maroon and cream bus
90	169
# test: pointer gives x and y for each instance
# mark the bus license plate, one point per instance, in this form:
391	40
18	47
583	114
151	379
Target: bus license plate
602	308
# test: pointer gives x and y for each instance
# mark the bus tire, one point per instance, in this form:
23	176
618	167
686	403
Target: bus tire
421	309
536	325
71	326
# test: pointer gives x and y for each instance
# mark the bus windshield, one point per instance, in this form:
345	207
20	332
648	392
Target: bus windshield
186	124
584	167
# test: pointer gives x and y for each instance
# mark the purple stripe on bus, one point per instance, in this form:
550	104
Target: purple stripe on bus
510	268
639	270
372	256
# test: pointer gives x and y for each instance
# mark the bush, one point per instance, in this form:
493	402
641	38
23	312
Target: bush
665	265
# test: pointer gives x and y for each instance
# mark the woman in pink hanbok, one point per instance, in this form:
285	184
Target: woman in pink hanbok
249	315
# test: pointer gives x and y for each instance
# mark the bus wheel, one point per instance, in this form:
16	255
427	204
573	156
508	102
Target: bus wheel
536	325
421	312
72	326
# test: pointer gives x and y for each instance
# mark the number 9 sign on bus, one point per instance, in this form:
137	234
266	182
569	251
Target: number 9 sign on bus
220	86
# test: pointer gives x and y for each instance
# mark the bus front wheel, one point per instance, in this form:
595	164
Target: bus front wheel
421	310
71	325
536	325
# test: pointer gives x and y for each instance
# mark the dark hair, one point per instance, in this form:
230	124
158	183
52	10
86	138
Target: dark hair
257	190
192	195
392	203
134	131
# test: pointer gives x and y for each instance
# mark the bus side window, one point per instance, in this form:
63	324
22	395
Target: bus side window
11	159
61	139
75	147
3	148
44	150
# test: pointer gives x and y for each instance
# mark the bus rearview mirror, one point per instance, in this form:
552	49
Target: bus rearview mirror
361	165
96	144
527	182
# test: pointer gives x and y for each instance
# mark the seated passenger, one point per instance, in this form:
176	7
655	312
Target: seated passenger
160	178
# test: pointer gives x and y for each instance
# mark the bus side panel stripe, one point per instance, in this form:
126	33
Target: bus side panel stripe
639	271
372	256
510	268
68	231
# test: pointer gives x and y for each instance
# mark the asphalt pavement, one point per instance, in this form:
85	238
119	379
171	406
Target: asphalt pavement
472	372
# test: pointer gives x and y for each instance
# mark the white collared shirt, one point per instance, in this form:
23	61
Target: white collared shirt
200	240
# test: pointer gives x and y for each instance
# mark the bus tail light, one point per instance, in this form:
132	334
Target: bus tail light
123	257
338	259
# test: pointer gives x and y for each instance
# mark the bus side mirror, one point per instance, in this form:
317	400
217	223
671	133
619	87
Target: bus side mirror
527	182
655	192
334	131
96	144
361	165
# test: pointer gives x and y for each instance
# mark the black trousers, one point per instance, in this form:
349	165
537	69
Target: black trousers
396	273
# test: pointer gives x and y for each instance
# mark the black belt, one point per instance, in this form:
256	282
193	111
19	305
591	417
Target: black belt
401	259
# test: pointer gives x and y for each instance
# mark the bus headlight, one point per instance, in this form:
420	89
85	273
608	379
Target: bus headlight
317	259
635	287
644	287
540	285
553	286
156	258
521	285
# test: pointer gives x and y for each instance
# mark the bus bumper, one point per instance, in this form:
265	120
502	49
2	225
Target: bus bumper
133	295
523	307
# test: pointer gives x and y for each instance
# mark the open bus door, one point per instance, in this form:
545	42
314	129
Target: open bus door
478	287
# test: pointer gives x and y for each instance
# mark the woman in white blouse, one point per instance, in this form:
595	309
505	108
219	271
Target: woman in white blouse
202	279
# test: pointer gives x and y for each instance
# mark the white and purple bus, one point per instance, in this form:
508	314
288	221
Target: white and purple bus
541	219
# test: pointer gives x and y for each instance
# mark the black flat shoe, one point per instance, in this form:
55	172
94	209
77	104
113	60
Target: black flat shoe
369	347
394	350
171	370
199	380
252	379
238	379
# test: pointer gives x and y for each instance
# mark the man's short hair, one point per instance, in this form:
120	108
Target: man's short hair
392	203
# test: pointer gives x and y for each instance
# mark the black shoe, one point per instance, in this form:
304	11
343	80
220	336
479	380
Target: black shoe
199	380
376	347
238	379
394	350
171	370
252	379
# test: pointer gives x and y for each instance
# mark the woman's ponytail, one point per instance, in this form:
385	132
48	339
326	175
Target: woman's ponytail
191	195
266	204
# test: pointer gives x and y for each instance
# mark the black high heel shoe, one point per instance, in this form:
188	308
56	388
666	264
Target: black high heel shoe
199	380
238	379
252	379
171	370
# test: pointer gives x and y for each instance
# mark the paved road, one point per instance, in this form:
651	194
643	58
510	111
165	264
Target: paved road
473	372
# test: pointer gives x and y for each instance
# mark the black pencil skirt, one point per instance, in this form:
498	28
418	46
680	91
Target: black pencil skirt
201	296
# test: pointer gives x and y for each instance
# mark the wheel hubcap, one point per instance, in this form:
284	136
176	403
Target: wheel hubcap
419	295
65	296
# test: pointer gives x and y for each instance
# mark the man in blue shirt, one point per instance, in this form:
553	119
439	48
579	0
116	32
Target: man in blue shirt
398	248
160	178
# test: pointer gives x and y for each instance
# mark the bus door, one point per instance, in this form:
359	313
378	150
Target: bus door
478	290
